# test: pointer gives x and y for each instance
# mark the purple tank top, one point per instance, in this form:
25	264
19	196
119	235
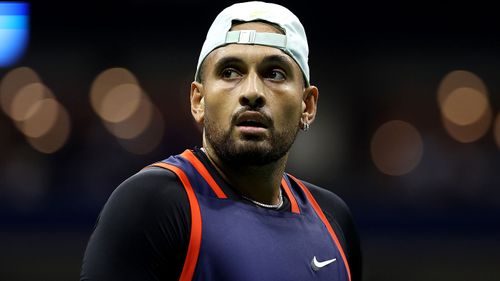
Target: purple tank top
244	242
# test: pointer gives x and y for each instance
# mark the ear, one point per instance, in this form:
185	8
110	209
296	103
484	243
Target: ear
309	103
197	102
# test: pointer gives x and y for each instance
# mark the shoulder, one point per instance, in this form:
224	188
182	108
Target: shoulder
150	191
142	230
149	184
335	209
328	201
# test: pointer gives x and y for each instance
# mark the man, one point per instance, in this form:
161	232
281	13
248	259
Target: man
228	211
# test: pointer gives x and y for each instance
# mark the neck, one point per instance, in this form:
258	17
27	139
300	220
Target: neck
260	183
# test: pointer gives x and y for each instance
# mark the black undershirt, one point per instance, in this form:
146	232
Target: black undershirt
143	230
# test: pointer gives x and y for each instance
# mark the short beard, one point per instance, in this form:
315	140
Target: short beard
251	152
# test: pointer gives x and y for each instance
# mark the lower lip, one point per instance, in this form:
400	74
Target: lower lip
251	130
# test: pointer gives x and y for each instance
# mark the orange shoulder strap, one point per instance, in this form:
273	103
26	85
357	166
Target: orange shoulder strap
322	216
189	156
195	237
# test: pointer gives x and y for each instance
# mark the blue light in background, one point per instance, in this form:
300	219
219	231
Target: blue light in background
14	31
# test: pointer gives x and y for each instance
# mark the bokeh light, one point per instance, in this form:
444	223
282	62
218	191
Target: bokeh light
464	103
14	31
41	118
396	148
471	132
135	124
464	106
121	102
13	82
26	98
57	135
459	79
126	110
149	139
104	84
34	110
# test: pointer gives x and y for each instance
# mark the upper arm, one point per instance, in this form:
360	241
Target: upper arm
141	231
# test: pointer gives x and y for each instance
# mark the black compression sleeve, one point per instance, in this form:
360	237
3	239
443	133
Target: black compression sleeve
142	232
340	218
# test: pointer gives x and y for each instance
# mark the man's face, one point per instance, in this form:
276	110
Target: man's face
253	101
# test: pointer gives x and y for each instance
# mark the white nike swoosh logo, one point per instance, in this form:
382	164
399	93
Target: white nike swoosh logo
317	265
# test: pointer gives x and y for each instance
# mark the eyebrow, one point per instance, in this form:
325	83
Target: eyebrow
226	61
283	60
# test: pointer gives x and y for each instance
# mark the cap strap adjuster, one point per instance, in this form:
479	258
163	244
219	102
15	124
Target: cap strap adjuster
247	37
252	37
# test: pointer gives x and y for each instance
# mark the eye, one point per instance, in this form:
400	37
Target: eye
277	75
230	73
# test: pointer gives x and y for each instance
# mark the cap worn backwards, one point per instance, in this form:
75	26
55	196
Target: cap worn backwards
293	42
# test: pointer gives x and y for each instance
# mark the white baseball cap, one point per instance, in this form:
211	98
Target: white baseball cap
293	42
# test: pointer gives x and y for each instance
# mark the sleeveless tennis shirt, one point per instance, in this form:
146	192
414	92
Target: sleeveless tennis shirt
232	240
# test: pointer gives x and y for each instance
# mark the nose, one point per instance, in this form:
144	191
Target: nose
252	92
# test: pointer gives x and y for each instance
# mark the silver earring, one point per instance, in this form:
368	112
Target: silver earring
306	126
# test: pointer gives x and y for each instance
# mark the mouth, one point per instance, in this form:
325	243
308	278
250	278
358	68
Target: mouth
252	119
252	123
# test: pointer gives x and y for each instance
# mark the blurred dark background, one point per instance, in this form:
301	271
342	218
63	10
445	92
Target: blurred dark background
425	198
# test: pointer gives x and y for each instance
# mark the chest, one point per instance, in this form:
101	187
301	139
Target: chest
243	242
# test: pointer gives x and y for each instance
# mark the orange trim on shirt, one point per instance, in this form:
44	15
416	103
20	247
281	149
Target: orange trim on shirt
293	202
193	250
189	156
322	216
